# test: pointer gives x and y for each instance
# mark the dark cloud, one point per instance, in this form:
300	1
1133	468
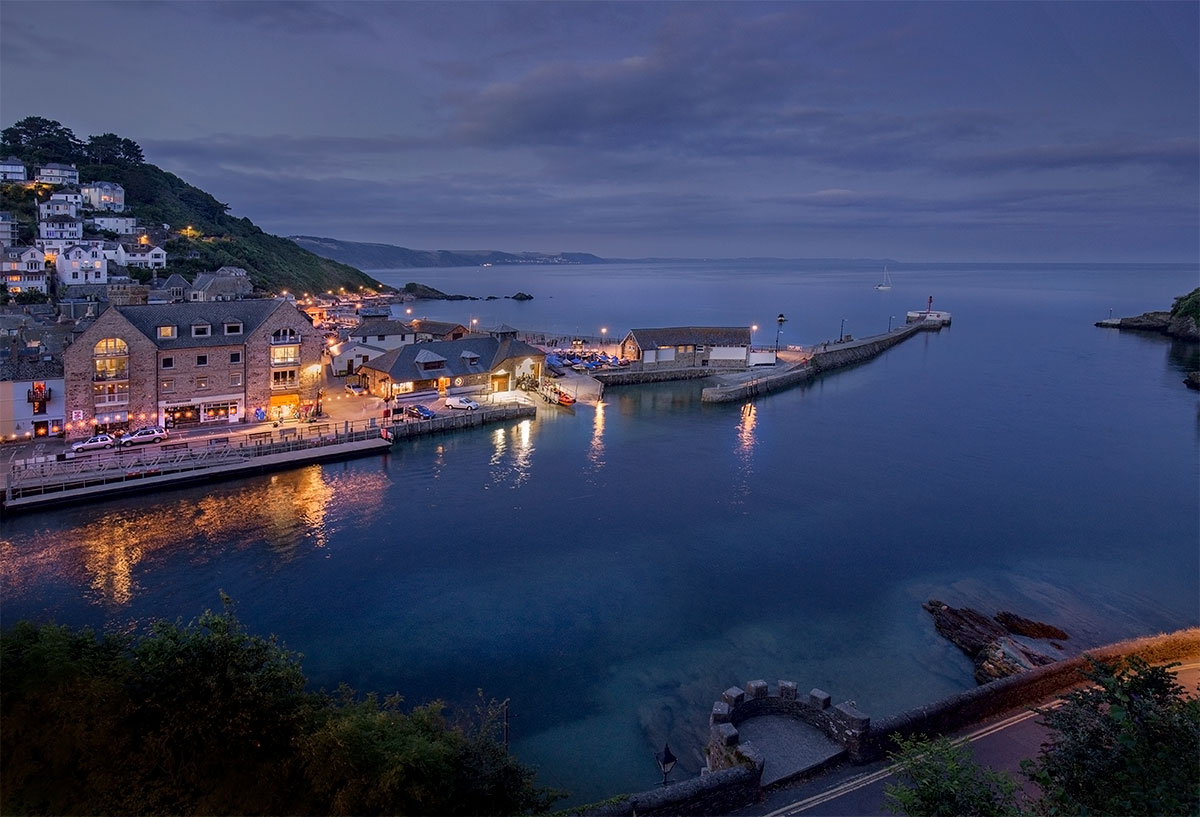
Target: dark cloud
1175	155
295	18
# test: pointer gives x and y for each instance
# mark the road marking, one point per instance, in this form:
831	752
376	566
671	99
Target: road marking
856	783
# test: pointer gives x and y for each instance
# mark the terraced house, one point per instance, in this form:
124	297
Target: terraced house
189	364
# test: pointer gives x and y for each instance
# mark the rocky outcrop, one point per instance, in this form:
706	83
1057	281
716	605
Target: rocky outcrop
522	296
1183	327
1192	381
1019	625
1179	326
987	643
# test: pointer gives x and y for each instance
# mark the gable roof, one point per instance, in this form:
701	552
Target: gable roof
436	327
477	354
691	335
381	326
250	314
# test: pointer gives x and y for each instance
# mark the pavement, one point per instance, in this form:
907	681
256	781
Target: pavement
1000	743
788	746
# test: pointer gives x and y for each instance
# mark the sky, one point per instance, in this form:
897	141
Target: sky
933	131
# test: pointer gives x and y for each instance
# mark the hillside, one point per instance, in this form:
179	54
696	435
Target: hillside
157	197
389	256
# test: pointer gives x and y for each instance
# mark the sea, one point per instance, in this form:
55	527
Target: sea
610	569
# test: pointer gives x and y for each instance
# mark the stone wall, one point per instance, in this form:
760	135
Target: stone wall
717	793
623	377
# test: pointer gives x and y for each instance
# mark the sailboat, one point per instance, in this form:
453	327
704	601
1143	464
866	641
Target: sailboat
886	283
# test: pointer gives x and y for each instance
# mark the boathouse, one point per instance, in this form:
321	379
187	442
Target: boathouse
475	363
688	346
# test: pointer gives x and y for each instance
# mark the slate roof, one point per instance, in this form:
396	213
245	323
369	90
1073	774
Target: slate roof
436	327
403	364
251	314
63	218
20	369
381	326
692	335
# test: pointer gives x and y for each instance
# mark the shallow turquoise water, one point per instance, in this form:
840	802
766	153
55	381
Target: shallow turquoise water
612	570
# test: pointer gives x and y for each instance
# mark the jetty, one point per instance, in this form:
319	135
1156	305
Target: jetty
798	364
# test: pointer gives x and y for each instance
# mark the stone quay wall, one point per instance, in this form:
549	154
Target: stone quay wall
622	377
717	793
843	723
974	705
461	419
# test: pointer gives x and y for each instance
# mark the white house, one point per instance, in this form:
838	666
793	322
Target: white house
57	207
146	256
347	356
225	284
31	398
8	229
61	227
122	225
55	173
82	265
105	196
70	194
12	169
383	333
23	269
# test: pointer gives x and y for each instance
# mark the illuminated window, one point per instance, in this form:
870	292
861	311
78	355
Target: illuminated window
285	355
167	385
110	347
283	379
202	382
167	332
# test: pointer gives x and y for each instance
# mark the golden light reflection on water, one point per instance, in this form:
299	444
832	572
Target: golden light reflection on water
288	512
596	451
746	426
512	454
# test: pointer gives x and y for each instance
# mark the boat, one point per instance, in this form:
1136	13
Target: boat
565	399
886	283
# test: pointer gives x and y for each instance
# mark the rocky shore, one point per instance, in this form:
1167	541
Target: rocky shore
989	642
1180	327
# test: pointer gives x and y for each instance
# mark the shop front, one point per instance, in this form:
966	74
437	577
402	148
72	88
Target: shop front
284	407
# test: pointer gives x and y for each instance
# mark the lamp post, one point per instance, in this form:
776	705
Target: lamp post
890	319
666	761
781	321
603	338
842	330
753	329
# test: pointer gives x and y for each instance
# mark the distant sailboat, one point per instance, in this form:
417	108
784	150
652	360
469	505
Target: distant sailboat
886	283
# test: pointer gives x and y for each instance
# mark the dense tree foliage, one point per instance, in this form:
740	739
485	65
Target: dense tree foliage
1129	744
38	140
205	718
1188	305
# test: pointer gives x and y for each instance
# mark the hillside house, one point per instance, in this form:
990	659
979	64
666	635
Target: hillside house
688	346
81	265
24	269
9	231
121	225
12	169
61	228
190	364
146	256
104	196
225	284
57	207
55	173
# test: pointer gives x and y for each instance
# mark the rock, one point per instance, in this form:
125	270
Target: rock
995	654
1183	327
1018	625
522	296
1192	380
1148	322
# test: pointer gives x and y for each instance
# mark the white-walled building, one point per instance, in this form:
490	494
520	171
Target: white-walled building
121	225
57	207
8	230
383	333
104	196
146	256
61	228
347	356
12	169
23	269
81	265
55	173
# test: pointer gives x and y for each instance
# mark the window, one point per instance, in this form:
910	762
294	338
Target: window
39	407
201	330
168	363
110	393
167	332
235	378
285	355
232	328
381	337
404	388
285	336
167	385
433	365
201	360
235	357
202	382
283	379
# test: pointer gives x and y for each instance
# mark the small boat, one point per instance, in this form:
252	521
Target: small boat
886	283
565	399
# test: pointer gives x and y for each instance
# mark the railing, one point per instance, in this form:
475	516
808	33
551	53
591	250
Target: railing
106	377
38	395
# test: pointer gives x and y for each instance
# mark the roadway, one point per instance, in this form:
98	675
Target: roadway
1000	743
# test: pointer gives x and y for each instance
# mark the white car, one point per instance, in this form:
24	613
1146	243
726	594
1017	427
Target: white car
92	443
149	434
461	403
355	388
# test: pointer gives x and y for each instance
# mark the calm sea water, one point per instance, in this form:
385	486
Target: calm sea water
612	569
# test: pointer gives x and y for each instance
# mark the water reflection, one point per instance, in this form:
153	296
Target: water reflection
519	460
596	450
749	419
285	512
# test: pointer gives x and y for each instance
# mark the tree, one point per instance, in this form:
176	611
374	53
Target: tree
939	778
38	140
104	149
1126	745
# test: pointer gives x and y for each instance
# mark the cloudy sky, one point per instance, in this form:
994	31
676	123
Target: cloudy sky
925	131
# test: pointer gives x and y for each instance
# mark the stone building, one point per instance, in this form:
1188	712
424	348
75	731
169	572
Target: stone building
190	364
688	346
472	364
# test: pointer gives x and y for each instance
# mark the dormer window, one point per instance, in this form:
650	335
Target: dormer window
167	332
201	330
233	328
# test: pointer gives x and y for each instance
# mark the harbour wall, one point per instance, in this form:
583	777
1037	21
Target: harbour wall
625	378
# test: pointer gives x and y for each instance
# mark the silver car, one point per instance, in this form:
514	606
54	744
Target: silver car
93	443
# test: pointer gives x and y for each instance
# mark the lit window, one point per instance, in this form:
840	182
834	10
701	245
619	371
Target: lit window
166	332
202	382
167	385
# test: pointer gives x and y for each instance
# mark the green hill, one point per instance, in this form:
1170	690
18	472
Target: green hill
201	235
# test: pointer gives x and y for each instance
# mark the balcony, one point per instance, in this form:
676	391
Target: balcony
284	385
286	361
38	395
110	377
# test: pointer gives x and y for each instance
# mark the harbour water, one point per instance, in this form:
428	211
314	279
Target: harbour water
611	569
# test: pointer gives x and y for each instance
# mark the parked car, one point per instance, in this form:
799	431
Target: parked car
419	412
356	388
461	403
148	434
92	443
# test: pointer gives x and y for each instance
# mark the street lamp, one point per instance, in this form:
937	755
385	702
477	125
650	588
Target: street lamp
666	761
842	330
603	335
781	321
890	319
753	329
